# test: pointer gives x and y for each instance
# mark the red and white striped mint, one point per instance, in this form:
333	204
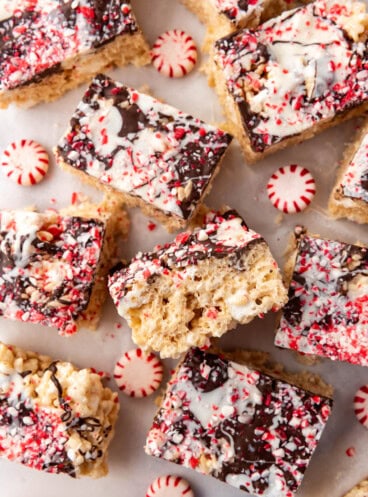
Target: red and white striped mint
174	53
138	374
361	405
26	162
169	486
291	188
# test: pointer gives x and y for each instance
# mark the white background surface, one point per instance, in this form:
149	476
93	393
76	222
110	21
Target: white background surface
331	472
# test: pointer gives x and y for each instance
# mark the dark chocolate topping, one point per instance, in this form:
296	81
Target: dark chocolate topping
196	359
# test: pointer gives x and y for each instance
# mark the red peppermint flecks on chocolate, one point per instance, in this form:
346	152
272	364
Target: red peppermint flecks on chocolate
138	374
291	189
361	405
169	486
174	53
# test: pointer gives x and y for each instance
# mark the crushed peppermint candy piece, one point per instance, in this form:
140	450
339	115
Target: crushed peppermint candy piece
361	405
350	451
169	486
291	189
138	374
174	53
25	161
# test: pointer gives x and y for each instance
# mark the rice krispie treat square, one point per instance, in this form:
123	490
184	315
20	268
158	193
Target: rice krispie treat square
294	76
349	197
151	154
327	311
50	46
54	417
199	286
53	266
237	424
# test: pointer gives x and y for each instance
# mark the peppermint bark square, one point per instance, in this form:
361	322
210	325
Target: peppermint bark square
349	197
153	155
50	46
199	286
237	424
295	75
53	267
54	417
327	311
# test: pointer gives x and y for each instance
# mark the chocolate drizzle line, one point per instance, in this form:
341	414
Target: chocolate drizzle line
37	428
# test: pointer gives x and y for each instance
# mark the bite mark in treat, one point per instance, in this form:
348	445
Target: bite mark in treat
25	161
198	286
327	310
237	424
291	189
361	405
138	374
169	486
174	53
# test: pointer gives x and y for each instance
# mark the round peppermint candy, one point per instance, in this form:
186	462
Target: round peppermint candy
26	162
174	53
361	405
138	374
291	189
169	486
